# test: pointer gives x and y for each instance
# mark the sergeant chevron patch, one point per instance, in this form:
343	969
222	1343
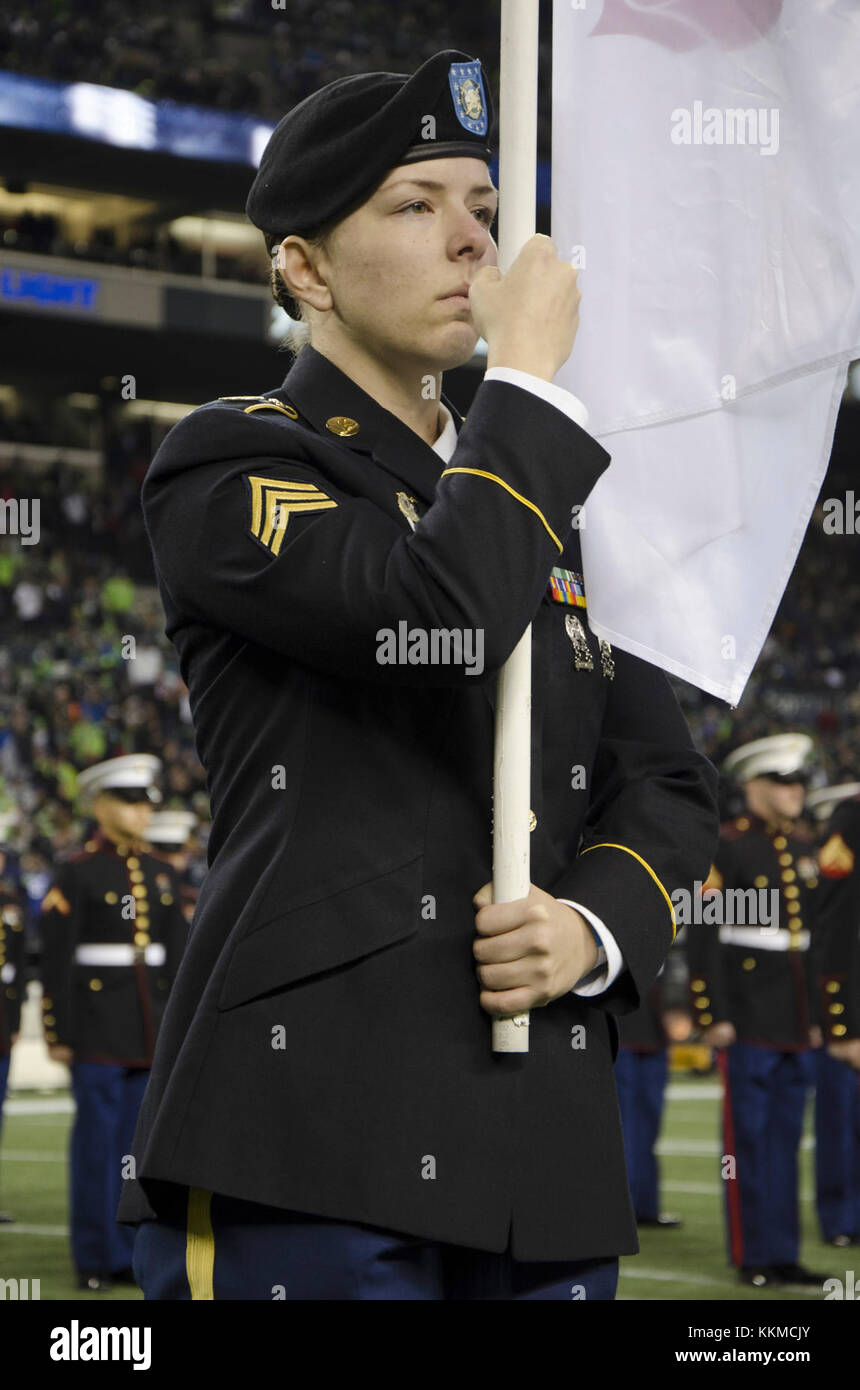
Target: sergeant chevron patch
273	501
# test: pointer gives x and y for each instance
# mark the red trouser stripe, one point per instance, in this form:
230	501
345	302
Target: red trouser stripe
733	1194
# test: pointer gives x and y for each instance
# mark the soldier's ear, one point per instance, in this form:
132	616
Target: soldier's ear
296	261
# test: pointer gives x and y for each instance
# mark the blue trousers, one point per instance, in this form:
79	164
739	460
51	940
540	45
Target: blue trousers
640	1079
107	1101
837	1146
764	1093
223	1248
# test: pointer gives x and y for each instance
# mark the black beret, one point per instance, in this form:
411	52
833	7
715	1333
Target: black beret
331	152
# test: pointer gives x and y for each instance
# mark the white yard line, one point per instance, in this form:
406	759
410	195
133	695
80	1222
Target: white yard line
50	1105
693	1147
27	1156
18	1228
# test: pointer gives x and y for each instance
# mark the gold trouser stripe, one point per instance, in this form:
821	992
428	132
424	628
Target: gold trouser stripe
480	473
648	868
200	1245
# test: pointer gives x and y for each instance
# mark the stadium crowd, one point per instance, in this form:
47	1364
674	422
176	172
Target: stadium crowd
236	55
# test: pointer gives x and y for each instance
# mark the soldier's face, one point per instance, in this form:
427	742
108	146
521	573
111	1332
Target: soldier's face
775	800
121	820
409	245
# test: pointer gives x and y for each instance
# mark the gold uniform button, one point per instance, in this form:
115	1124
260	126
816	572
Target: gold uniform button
703	1002
749	963
697	986
786	859
167	899
138	890
760	881
780	842
52	1037
132	862
839	1029
532	820
95	984
788	875
837	1008
111	898
342	425
705	1019
743	823
812	882
832	987
141	938
141	921
49	1018
47	1002
792	891
136	876
792	907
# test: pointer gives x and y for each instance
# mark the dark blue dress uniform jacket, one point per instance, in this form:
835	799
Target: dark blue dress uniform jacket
324	1049
12	953
838	915
768	994
109	1012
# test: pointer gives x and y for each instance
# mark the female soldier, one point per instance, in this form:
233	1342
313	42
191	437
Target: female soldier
345	564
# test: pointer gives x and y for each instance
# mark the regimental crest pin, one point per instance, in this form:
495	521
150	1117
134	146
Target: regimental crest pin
470	102
409	508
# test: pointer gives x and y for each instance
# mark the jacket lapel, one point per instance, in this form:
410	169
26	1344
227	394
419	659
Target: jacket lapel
332	402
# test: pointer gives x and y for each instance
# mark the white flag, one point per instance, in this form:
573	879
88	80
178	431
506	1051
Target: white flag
706	176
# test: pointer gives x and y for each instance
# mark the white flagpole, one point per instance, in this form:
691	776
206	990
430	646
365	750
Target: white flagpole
512	761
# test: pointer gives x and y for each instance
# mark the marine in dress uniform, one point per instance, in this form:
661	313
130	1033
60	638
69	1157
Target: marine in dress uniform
326	1116
751	989
641	1073
11	965
167	835
837	1095
112	937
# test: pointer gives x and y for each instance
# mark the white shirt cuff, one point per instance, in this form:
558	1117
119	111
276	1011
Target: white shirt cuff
547	390
609	956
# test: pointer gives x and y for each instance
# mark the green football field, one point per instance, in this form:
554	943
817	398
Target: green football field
688	1263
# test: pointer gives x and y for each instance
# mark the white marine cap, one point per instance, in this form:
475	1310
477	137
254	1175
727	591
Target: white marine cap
170	827
823	801
131	770
777	756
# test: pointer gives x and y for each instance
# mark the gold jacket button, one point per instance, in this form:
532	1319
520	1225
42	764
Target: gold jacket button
95	984
342	424
532	821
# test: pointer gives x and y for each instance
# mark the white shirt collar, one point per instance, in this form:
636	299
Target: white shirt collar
447	441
